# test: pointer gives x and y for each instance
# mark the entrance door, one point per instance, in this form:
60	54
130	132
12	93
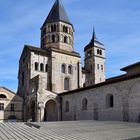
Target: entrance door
50	111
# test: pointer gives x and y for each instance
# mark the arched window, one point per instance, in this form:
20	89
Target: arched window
66	29
84	104
41	67
54	27
46	68
109	101
3	96
66	84
66	106
63	68
53	38
65	39
100	52
70	69
36	66
63	28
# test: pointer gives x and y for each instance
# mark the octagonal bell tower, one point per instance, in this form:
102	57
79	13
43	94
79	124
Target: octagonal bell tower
57	31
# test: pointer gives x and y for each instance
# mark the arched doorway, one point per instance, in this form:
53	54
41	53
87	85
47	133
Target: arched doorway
50	113
33	111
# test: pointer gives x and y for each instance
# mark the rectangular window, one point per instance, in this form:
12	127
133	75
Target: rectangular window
98	66
12	107
1	106
22	79
102	67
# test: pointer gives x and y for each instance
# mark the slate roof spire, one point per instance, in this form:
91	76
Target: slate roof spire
57	13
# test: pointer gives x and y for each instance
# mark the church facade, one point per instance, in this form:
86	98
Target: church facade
55	87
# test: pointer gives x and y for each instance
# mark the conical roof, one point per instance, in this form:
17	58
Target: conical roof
93	41
57	13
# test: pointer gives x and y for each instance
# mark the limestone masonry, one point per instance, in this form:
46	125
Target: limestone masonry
55	87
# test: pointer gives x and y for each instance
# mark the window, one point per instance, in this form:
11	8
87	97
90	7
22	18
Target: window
53	38
1	106
12	107
70	69
63	68
65	39
36	66
41	67
46	68
66	106
89	53
98	67
84	104
98	51
22	79
3	96
66	84
109	101
102	68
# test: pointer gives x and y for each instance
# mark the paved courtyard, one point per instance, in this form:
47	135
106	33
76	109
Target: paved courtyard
76	130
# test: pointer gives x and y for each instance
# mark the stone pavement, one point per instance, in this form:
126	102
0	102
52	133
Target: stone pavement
75	130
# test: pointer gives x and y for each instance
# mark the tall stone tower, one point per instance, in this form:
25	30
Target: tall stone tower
57	30
57	38
94	62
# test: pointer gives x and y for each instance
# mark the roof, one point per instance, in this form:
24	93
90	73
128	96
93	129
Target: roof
10	91
107	82
57	13
93	41
130	66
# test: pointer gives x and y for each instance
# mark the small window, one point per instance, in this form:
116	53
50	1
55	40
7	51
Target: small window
109	101
102	68
1	106
53	38
52	29
98	66
65	39
66	84
36	66
46	68
12	107
84	104
22	79
63	68
41	67
89	53
3	96
100	52
66	106
70	69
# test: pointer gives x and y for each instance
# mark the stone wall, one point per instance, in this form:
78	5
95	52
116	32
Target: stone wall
126	102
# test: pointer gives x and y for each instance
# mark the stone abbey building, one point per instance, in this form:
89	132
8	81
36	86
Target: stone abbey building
55	87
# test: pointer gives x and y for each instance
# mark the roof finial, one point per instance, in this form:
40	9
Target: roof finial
94	34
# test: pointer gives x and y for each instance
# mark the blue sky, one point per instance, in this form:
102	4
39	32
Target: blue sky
116	22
